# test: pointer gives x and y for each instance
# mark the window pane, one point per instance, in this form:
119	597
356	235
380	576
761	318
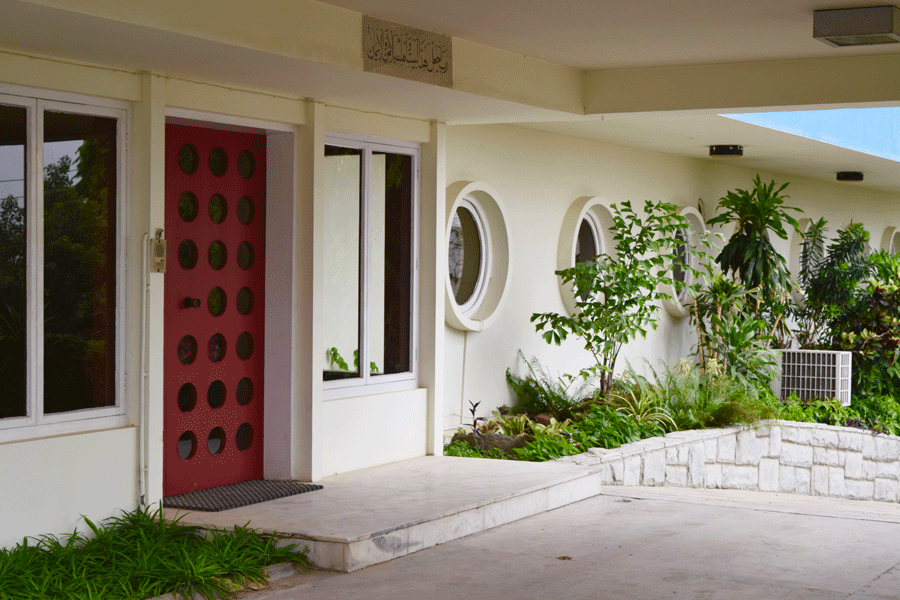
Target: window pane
585	247
390	264
13	133
343	176
465	255
79	261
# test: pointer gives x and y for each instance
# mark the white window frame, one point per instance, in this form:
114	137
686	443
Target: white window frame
368	383
36	423
471	204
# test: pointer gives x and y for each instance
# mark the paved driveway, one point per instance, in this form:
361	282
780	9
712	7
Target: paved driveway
649	543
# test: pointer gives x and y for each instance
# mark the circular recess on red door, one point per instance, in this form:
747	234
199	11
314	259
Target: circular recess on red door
187	350
218	208
245	301
244	346
215	348
216	441
218	161
245	391
215	395
187	254
216	302
246	164
245	255
218	255
187	397
188	207
187	445
246	210
188	159
243	437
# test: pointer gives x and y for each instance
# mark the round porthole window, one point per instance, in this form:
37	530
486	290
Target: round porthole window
478	256
468	255
682	263
585	235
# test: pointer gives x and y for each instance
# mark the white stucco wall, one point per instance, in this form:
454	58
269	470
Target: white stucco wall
49	483
538	176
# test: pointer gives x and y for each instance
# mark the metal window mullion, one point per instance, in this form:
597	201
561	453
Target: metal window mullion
364	258
35	266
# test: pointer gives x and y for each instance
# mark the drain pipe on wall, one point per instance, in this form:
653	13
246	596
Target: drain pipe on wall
142	417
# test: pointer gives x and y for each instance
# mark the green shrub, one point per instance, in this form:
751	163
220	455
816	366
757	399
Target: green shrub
460	448
540	393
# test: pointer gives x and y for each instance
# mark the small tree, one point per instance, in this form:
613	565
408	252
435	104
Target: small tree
617	299
749	254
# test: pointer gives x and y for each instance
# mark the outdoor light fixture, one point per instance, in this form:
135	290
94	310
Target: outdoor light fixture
849	176
863	26
726	150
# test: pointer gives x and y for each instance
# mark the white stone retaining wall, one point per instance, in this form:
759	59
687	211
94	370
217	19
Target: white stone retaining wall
775	456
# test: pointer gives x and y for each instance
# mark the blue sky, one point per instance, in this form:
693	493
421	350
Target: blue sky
874	131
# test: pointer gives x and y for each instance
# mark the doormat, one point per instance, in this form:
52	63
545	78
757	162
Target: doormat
236	495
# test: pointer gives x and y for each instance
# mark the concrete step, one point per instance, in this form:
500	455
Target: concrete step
374	515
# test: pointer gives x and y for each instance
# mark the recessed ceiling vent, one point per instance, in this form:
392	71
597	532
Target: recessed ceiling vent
849	176
726	150
863	26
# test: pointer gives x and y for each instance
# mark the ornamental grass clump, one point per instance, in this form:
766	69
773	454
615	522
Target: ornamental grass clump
139	555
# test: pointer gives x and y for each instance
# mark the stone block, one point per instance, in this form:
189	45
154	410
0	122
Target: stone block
851	440
763	431
802	477
768	475
819	480
820	456
654	469
725	451
632	471
824	438
795	434
860	490
713	475
853	465
787	479
605	454
869	468
868	446
887	490
709	447
796	455
676	475
739	477
836	486
749	448
887	470
617	467
886	448
677	455
775	442
696	470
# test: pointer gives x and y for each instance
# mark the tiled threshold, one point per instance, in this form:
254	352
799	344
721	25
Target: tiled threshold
374	515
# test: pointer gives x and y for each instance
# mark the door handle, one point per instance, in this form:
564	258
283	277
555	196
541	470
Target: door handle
191	302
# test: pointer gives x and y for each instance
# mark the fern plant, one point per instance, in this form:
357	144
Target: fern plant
540	393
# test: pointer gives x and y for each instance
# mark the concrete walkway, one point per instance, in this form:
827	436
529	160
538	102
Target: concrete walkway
648	543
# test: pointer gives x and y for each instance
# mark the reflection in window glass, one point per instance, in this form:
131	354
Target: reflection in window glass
586	246
79	261
390	263
679	270
343	177
465	255
13	137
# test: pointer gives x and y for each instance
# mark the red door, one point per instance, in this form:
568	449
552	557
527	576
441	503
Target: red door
215	232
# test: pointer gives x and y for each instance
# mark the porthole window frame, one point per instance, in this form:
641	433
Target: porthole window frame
596	211
471	204
678	304
482	308
890	240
